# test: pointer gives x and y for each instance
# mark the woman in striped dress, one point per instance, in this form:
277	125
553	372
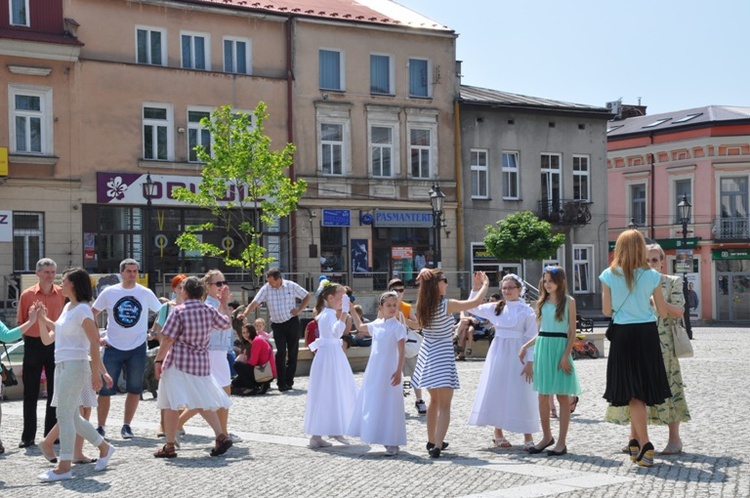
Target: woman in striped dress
436	366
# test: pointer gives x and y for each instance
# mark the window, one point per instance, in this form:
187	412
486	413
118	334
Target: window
581	188
419	150
31	119
479	174
582	269
195	49
28	240
510	175
157	132
331	74
151	46
381	151
381	74
638	204
19	12
334	249
682	188
197	135
419	78
237	55
332	148
551	183
734	208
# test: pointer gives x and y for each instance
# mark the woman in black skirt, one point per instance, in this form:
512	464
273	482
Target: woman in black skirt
635	368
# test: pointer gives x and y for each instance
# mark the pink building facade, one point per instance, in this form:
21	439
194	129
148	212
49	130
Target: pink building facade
701	155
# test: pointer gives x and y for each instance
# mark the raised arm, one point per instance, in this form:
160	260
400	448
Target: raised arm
481	284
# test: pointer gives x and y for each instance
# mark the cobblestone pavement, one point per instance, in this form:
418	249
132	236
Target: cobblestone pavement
273	459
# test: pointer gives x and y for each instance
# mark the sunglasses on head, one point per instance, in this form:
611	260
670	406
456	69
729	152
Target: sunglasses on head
220	283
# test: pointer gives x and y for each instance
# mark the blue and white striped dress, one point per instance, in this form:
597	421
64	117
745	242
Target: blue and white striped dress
436	364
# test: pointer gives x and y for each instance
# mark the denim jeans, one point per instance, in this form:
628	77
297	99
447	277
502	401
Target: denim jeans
134	362
70	376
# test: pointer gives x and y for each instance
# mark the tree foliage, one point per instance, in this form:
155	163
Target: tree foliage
240	160
522	235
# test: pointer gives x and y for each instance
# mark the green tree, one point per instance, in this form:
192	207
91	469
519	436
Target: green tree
240	158
522	235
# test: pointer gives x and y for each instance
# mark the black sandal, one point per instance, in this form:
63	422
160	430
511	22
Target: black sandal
223	443
166	451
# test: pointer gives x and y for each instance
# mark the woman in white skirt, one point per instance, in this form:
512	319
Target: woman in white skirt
78	366
182	367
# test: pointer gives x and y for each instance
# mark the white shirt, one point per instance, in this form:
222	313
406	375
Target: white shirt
281	300
71	342
127	314
221	340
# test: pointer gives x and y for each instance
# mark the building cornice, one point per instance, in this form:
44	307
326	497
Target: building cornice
39	50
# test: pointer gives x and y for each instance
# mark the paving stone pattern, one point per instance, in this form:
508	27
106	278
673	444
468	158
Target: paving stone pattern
273	460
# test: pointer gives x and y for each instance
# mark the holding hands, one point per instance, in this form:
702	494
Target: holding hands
480	280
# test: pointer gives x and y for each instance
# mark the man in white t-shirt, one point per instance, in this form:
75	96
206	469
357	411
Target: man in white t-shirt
127	305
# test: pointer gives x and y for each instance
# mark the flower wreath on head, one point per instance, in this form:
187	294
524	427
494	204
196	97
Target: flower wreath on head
553	269
324	284
517	279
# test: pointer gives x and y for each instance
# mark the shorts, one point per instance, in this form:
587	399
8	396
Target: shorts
219	367
134	363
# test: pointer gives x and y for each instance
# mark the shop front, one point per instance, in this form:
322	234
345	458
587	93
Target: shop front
732	284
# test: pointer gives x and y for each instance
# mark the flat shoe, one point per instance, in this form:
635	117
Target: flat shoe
50	457
671	449
50	476
534	450
166	452
574	404
318	443
558	453
502	442
222	446
442	447
101	464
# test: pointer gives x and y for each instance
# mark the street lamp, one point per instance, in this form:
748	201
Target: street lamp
632	225
437	199
684	209
149	192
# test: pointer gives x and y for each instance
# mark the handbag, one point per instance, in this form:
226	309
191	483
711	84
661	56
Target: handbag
683	348
263	373
413	343
8	375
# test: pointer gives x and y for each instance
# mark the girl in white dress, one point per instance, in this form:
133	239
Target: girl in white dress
332	391
505	398
379	413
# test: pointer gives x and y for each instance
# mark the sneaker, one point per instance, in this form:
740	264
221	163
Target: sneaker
391	450
100	430
421	406
235	438
126	433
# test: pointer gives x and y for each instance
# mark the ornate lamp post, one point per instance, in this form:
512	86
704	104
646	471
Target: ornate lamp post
684	208
632	225
149	192
437	199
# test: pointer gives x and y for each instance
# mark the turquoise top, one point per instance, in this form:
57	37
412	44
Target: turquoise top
632	307
549	324
161	318
9	335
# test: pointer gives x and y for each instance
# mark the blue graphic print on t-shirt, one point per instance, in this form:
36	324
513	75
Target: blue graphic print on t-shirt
127	311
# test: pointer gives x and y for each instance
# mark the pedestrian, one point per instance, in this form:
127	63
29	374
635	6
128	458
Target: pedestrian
554	370
331	391
635	367
281	297
78	372
505	397
674	410
37	356
408	317
379	411
436	366
184	368
257	352
217	295
11	335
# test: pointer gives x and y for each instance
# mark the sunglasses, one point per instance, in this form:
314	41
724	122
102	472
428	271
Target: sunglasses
444	280
653	260
398	290
220	284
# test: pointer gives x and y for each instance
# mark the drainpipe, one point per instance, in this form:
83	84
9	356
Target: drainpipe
459	203
290	132
653	187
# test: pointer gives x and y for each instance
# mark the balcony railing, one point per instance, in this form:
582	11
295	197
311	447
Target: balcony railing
734	228
564	211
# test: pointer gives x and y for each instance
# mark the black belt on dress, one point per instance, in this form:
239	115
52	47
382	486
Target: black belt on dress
553	334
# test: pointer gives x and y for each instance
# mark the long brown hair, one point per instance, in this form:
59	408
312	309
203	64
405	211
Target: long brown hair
630	254
329	289
428	297
557	275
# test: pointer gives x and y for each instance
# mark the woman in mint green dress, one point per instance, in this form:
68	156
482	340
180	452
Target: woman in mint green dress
554	371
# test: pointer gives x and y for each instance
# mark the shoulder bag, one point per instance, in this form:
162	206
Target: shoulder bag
8	375
683	348
263	373
413	343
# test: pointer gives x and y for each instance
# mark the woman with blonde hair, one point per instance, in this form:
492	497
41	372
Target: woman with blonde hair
635	368
674	410
436	366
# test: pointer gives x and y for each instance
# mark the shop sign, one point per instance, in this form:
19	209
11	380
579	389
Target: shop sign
397	218
480	253
337	217
667	244
731	253
684	261
402	252
127	188
3	161
6	226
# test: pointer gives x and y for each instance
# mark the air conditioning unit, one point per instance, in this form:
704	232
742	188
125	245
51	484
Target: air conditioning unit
616	107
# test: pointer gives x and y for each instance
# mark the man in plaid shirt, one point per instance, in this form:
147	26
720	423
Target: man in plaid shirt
183	360
281	296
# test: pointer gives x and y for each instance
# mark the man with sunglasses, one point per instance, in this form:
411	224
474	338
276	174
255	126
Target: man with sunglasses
127	304
281	297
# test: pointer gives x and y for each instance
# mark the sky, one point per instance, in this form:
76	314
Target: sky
670	54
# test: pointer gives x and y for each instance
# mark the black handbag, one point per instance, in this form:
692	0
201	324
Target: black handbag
8	375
